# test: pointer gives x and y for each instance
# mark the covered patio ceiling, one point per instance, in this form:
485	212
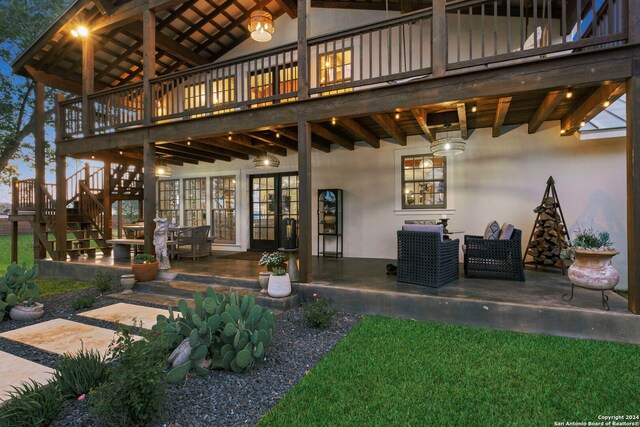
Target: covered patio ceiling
570	105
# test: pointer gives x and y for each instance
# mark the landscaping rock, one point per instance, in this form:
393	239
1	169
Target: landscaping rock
181	354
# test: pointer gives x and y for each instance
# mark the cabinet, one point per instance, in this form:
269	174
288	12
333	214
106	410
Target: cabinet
330	222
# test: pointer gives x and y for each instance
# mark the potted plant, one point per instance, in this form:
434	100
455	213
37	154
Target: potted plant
22	292
279	283
271	260
145	267
591	253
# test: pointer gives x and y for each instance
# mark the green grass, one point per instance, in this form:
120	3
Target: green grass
390	372
60	286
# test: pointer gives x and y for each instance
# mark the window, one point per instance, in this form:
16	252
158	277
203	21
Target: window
223	93
169	200
223	209
423	182
195	97
281	80
335	68
195	201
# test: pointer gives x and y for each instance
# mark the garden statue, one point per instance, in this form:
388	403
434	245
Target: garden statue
160	236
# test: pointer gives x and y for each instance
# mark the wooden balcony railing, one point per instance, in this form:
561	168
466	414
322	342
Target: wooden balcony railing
454	36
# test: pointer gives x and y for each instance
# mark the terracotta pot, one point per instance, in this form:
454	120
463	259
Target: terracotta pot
279	286
593	270
127	281
263	280
23	312
145	272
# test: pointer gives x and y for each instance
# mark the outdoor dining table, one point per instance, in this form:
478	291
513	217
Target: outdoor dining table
173	232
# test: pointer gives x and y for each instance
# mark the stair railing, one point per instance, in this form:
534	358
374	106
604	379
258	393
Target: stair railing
92	209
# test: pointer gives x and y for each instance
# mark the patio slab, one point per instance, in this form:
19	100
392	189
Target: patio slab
16	370
62	336
127	314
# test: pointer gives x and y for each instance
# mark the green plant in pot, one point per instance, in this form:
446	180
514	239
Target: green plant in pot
19	292
272	260
145	267
279	283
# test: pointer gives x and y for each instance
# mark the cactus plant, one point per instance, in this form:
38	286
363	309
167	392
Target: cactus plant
17	286
230	331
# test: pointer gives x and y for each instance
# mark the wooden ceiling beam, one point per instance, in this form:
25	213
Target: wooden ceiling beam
292	135
178	153
203	146
421	117
330	136
102	6
130	12
53	80
174	159
247	142
193	150
501	114
391	127
359	131
545	109
274	141
233	146
462	120
591	107
290	7
370	5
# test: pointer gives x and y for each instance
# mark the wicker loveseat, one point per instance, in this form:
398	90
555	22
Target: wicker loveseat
194	242
494	259
425	259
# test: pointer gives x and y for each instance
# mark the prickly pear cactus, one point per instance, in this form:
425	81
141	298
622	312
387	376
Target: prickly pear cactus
18	285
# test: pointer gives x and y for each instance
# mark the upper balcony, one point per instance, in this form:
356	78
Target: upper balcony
451	37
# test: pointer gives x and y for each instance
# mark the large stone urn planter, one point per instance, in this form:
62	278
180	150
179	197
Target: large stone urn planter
24	312
279	286
145	272
593	270
263	280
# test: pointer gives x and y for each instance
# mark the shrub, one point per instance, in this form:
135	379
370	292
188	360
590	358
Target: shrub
225	332
278	271
32	404
18	286
272	259
144	259
135	391
317	312
103	281
78	373
84	301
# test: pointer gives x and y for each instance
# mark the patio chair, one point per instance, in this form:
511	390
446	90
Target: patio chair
424	258
193	242
494	259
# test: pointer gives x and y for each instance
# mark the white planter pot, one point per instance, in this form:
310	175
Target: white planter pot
127	281
263	280
22	312
279	286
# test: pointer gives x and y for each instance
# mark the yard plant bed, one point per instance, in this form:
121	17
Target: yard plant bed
402	372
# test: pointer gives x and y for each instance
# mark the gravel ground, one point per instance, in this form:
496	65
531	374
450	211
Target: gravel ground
221	398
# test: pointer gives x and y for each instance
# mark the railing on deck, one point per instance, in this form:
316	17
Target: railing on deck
49	203
478	33
24	197
91	208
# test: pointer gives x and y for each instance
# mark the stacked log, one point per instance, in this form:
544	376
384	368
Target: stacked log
549	235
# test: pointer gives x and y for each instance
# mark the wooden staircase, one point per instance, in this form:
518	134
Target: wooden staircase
87	208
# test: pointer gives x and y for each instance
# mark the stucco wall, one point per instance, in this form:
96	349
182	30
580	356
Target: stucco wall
496	178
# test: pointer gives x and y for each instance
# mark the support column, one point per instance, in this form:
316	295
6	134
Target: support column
633	187
148	62
439	40
87	84
303	51
149	203
39	251
305	217
106	200
61	208
119	219
14	224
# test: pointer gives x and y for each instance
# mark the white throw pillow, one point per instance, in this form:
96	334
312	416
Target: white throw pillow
492	232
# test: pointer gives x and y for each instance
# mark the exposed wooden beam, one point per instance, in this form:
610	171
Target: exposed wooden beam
318	145
198	148
369	5
180	154
130	12
287	133
501	113
591	107
201	145
53	80
246	141
233	146
88	87
462	120
148	61
189	152
168	44
102	6
421	117
331	136
270	142
391	127
359	131
545	109
290	7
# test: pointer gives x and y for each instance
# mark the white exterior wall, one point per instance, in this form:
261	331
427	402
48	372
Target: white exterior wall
496	178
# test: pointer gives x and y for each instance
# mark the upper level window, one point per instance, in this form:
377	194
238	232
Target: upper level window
274	81
223	92
424	182
335	68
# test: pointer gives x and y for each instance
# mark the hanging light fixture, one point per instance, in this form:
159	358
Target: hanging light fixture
266	161
261	25
447	145
163	171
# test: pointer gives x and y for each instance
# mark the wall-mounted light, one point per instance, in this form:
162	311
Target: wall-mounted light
80	31
397	116
333	120
606	103
582	123
569	95
163	171
474	109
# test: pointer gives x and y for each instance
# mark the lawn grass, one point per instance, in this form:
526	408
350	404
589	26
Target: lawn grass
60	286
391	372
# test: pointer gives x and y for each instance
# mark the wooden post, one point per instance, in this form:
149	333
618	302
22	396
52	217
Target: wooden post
304	174
149	185
633	187
14	224
40	146
148	61
303	51
61	208
87	84
106	200
119	219
633	27
439	39
58	116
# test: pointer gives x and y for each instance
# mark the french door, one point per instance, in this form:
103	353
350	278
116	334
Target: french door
273	198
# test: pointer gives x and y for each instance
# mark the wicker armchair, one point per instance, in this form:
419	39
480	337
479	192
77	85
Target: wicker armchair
494	259
425	259
196	239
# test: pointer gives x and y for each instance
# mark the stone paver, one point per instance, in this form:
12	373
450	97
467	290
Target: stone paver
16	370
127	314
62	336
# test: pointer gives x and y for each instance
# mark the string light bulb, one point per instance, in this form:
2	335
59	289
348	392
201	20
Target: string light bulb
397	116
562	131
582	123
333	120
606	103
80	31
474	109
569	95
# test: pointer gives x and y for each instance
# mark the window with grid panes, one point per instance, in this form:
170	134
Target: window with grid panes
274	81
169	200
335	68
195	201
424	182
195	96
223	92
223	209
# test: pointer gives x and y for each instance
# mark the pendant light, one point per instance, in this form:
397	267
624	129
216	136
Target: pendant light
261	25
447	146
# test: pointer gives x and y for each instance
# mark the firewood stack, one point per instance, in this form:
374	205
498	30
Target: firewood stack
549	235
